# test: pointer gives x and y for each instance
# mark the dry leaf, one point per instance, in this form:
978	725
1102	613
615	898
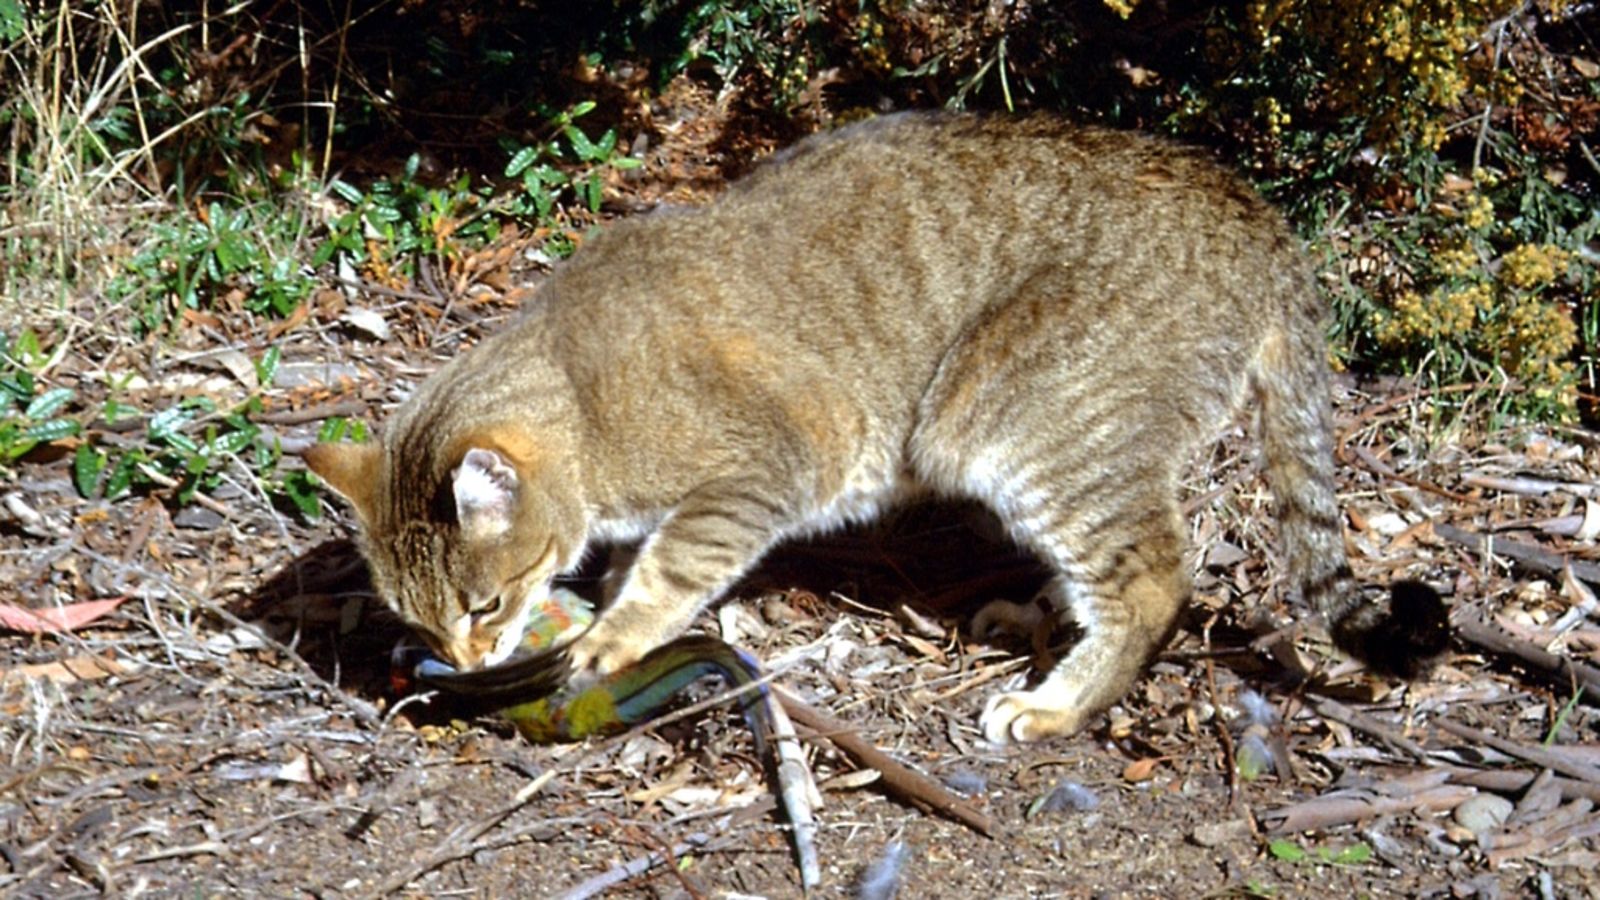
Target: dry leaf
1141	769
67	671
369	322
55	618
923	647
1590	529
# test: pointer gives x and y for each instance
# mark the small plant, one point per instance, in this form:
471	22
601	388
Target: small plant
1354	855
394	220
544	178
29	417
193	261
187	446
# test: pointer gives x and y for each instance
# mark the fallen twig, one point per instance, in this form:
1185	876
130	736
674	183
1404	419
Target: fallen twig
907	783
633	868
1528	555
460	841
1537	755
1571	822
1427	791
1370	726
1482	634
1373	464
1529	487
313	413
1511	781
799	795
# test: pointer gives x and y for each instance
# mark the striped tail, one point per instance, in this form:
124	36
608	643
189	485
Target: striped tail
1398	634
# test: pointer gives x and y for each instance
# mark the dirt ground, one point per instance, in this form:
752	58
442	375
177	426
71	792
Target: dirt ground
230	729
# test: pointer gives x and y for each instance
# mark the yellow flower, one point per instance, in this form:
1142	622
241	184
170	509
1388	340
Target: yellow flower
1530	266
1479	213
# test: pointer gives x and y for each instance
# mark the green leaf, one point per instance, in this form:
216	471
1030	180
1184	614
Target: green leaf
180	441
521	160
46	404
13	22
53	430
1286	850
1355	854
166	423
19	386
348	192
25	349
122	476
580	143
267	366
114	409
233	441
87	464
301	489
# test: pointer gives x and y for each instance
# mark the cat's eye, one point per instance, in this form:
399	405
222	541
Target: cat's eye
490	609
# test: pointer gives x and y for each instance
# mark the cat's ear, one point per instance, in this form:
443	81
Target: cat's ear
485	487
350	469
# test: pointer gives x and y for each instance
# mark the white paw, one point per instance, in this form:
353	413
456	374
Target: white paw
1020	716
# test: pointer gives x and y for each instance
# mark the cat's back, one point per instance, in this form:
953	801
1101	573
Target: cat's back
884	240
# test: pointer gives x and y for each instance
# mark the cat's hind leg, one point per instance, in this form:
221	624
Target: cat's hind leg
1049	414
1124	584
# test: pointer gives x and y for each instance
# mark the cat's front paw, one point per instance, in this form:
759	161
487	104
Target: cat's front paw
601	650
1020	716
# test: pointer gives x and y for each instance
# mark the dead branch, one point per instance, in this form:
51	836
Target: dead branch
1529	487
1355	804
1568	670
1536	755
904	782
1372	727
1529	556
1511	781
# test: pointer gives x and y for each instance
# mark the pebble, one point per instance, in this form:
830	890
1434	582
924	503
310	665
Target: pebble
1483	813
1216	834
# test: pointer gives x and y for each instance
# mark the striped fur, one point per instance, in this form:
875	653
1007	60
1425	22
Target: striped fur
1046	318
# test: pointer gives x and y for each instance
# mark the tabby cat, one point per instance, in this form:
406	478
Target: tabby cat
1046	318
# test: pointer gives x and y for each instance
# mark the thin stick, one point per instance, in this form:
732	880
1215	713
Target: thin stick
1528	555
1537	755
904	782
1513	781
633	868
460	841
1566	669
1360	721
313	413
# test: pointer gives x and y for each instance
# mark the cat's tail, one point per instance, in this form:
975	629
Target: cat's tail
1397	634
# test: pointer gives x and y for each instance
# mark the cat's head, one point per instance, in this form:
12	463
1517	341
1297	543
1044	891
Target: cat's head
463	552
